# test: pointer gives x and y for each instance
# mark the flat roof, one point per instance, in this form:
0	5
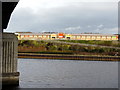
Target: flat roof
67	33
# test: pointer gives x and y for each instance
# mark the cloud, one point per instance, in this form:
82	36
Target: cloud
53	3
72	28
108	30
89	26
100	26
64	15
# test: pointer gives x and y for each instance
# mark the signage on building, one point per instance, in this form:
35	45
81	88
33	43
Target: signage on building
61	35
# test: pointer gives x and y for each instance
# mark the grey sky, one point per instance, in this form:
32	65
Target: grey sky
70	16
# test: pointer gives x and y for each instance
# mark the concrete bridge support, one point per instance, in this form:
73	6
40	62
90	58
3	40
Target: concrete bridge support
10	76
8	46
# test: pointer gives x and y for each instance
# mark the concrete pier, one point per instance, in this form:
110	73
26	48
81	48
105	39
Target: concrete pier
10	76
8	46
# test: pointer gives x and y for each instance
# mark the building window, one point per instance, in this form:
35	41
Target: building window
39	36
93	36
30	36
22	36
88	36
103	37
68	37
108	37
53	37
35	36
83	36
98	37
73	36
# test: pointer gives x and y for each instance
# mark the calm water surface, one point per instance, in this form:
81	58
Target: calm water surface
47	73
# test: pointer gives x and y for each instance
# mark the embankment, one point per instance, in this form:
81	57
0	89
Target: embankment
68	57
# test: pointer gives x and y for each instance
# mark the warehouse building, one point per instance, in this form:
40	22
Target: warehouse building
64	36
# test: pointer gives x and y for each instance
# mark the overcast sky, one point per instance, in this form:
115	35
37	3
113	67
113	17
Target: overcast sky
68	16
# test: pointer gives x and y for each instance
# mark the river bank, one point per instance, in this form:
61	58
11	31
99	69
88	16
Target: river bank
69	57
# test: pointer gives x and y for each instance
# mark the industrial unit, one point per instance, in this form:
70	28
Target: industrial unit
64	36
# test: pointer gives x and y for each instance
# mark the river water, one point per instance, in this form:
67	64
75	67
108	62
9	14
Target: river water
48	73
